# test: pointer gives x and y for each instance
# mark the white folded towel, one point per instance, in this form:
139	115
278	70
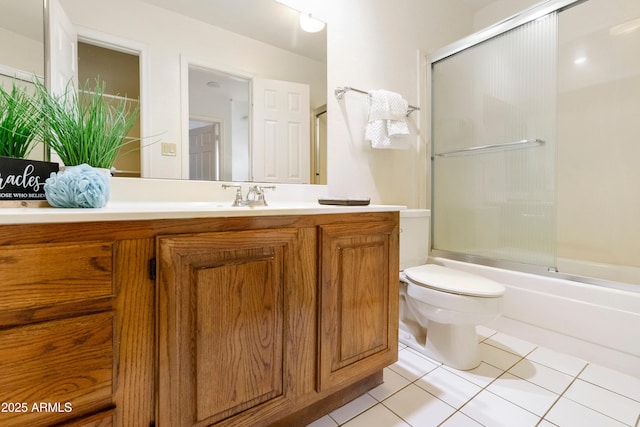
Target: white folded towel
387	127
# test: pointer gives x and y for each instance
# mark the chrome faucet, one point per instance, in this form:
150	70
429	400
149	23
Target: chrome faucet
255	195
238	200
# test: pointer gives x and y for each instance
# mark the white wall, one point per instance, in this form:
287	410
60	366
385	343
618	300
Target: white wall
21	53
379	44
498	10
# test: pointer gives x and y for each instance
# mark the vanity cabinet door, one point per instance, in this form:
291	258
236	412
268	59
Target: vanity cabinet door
224	335
358	300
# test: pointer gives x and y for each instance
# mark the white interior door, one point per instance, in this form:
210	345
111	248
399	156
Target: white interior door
280	146
62	44
62	53
204	152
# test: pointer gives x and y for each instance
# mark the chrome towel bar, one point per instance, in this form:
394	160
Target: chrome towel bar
340	91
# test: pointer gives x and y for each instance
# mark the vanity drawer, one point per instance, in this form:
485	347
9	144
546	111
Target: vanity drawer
48	274
56	370
102	419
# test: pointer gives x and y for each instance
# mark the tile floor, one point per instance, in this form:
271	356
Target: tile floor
518	384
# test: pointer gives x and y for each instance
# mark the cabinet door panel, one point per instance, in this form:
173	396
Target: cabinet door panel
238	333
363	306
223	298
359	301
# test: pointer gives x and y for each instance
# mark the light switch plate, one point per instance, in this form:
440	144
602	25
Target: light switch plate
168	149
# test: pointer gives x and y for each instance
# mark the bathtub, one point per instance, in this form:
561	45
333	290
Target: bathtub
595	323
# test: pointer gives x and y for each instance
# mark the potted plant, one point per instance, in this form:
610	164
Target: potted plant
20	122
21	126
85	129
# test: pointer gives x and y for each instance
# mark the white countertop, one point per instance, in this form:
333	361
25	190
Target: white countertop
122	211
145	199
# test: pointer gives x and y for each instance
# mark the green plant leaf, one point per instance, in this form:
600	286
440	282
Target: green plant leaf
86	126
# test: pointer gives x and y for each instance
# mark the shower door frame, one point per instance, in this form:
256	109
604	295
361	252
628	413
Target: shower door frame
528	15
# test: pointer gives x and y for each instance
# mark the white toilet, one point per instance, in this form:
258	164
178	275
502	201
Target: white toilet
440	307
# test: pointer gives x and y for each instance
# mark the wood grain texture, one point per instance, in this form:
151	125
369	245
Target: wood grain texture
61	361
358	300
17	234
134	331
101	419
101	272
222	334
37	275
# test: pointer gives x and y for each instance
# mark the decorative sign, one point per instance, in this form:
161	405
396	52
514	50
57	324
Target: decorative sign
22	179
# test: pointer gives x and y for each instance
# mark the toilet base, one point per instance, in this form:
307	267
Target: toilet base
453	345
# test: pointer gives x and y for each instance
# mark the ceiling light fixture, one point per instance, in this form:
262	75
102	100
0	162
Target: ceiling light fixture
310	24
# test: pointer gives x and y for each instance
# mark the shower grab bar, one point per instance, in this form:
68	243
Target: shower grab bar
340	91
493	148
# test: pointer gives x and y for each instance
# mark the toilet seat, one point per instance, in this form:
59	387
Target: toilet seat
453	281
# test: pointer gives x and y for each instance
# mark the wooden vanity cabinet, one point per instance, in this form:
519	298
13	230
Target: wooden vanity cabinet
245	321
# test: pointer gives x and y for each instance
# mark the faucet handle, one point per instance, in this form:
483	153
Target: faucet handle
260	192
238	199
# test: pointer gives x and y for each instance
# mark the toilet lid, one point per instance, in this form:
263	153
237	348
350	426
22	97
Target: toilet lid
454	281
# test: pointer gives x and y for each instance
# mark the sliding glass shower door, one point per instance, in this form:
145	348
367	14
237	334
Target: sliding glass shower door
494	147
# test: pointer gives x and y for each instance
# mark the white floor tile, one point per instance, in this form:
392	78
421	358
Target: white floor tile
559	361
541	375
527	395
511	344
497	357
412	365
567	413
481	376
420	392
448	387
615	381
392	383
378	416
325	421
491	410
419	408
484	332
460	420
353	408
604	401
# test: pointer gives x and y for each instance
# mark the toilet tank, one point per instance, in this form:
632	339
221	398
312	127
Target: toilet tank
414	237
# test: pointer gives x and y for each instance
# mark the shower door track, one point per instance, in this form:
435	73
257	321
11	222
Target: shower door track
531	269
527	15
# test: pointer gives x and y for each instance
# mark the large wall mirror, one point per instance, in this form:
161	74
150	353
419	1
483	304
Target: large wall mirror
22	46
203	68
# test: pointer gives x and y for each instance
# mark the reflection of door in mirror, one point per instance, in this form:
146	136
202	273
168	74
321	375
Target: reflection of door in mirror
220	99
120	71
281	140
205	151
